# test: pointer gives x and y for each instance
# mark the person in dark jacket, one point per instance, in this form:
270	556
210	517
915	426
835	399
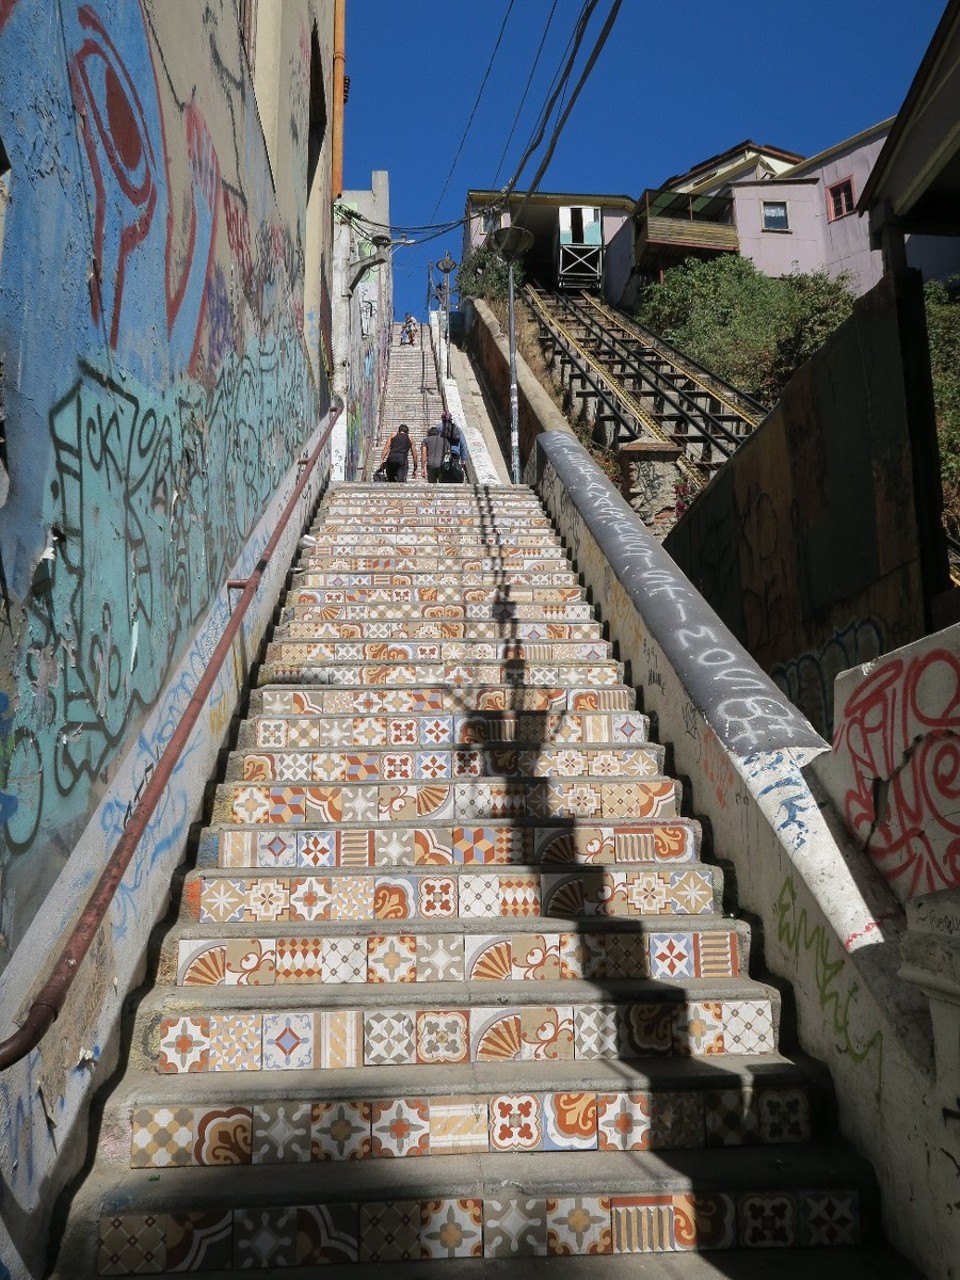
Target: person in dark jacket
397	453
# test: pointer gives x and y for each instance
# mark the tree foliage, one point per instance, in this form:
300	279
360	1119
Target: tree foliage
943	331
484	275
752	329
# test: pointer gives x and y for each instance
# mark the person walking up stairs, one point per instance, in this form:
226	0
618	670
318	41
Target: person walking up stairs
412	394
451	981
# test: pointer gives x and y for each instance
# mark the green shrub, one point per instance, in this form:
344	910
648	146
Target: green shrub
943	331
752	329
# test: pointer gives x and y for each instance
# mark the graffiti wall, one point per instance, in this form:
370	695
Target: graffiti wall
158	393
812	543
895	769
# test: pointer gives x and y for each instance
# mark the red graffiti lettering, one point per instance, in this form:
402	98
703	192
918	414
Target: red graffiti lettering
899	735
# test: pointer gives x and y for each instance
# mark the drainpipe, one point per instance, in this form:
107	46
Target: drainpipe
339	47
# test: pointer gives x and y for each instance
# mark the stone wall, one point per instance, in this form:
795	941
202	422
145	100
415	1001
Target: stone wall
159	392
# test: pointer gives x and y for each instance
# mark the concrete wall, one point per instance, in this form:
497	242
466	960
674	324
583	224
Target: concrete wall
158	394
810	542
363	324
827	922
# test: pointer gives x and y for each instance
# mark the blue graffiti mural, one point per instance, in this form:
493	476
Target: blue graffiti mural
157	392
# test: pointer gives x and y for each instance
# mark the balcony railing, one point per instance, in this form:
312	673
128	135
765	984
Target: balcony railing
686	233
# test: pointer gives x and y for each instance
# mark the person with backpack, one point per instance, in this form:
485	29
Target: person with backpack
433	449
451	470
397	453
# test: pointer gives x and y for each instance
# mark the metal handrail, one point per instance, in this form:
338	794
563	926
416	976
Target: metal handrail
50	999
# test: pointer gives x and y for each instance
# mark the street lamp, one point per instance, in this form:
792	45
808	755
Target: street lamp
446	265
511	243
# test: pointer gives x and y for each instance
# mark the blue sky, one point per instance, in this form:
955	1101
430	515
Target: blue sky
675	84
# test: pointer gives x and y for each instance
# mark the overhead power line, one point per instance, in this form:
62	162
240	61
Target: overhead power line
486	76
526	90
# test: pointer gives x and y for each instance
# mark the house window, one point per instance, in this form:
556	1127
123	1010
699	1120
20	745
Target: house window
775	215
840	199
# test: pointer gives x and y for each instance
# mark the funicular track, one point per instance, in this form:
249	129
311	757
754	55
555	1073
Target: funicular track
643	388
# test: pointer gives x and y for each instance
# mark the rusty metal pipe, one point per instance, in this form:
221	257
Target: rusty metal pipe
50	998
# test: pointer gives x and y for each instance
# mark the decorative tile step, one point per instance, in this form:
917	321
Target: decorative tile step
288	764
505	595
512	673
436	629
334	959
351	525
449	541
220	896
663	1024
531	729
428	560
488	610
523	799
178	1134
437	699
417	560
609	1205
458	579
285	649
641	842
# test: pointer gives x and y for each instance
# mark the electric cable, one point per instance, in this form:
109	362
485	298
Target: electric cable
526	90
486	76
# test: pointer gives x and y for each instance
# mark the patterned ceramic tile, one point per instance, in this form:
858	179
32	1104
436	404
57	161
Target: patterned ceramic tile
595	1030
440	958
699	1027
131	1244
341	1038
281	1133
569	1121
451	1229
223	1135
437	897
514	1227
392	958
288	1041
400	1127
748	1027
623	1121
296	960
344	959
768	1219
394	847
645	1224
829	1219
676	1120
184	1045
395	898
578	1225
161	1137
352	898
442	1036
390	1232
479	896
784	1115
264	1238
731	1117
516	1122
327	1234
199	1241
340	1130
388	1038
458	1125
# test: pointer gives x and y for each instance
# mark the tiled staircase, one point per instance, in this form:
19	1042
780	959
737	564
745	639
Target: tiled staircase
412	395
447	924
